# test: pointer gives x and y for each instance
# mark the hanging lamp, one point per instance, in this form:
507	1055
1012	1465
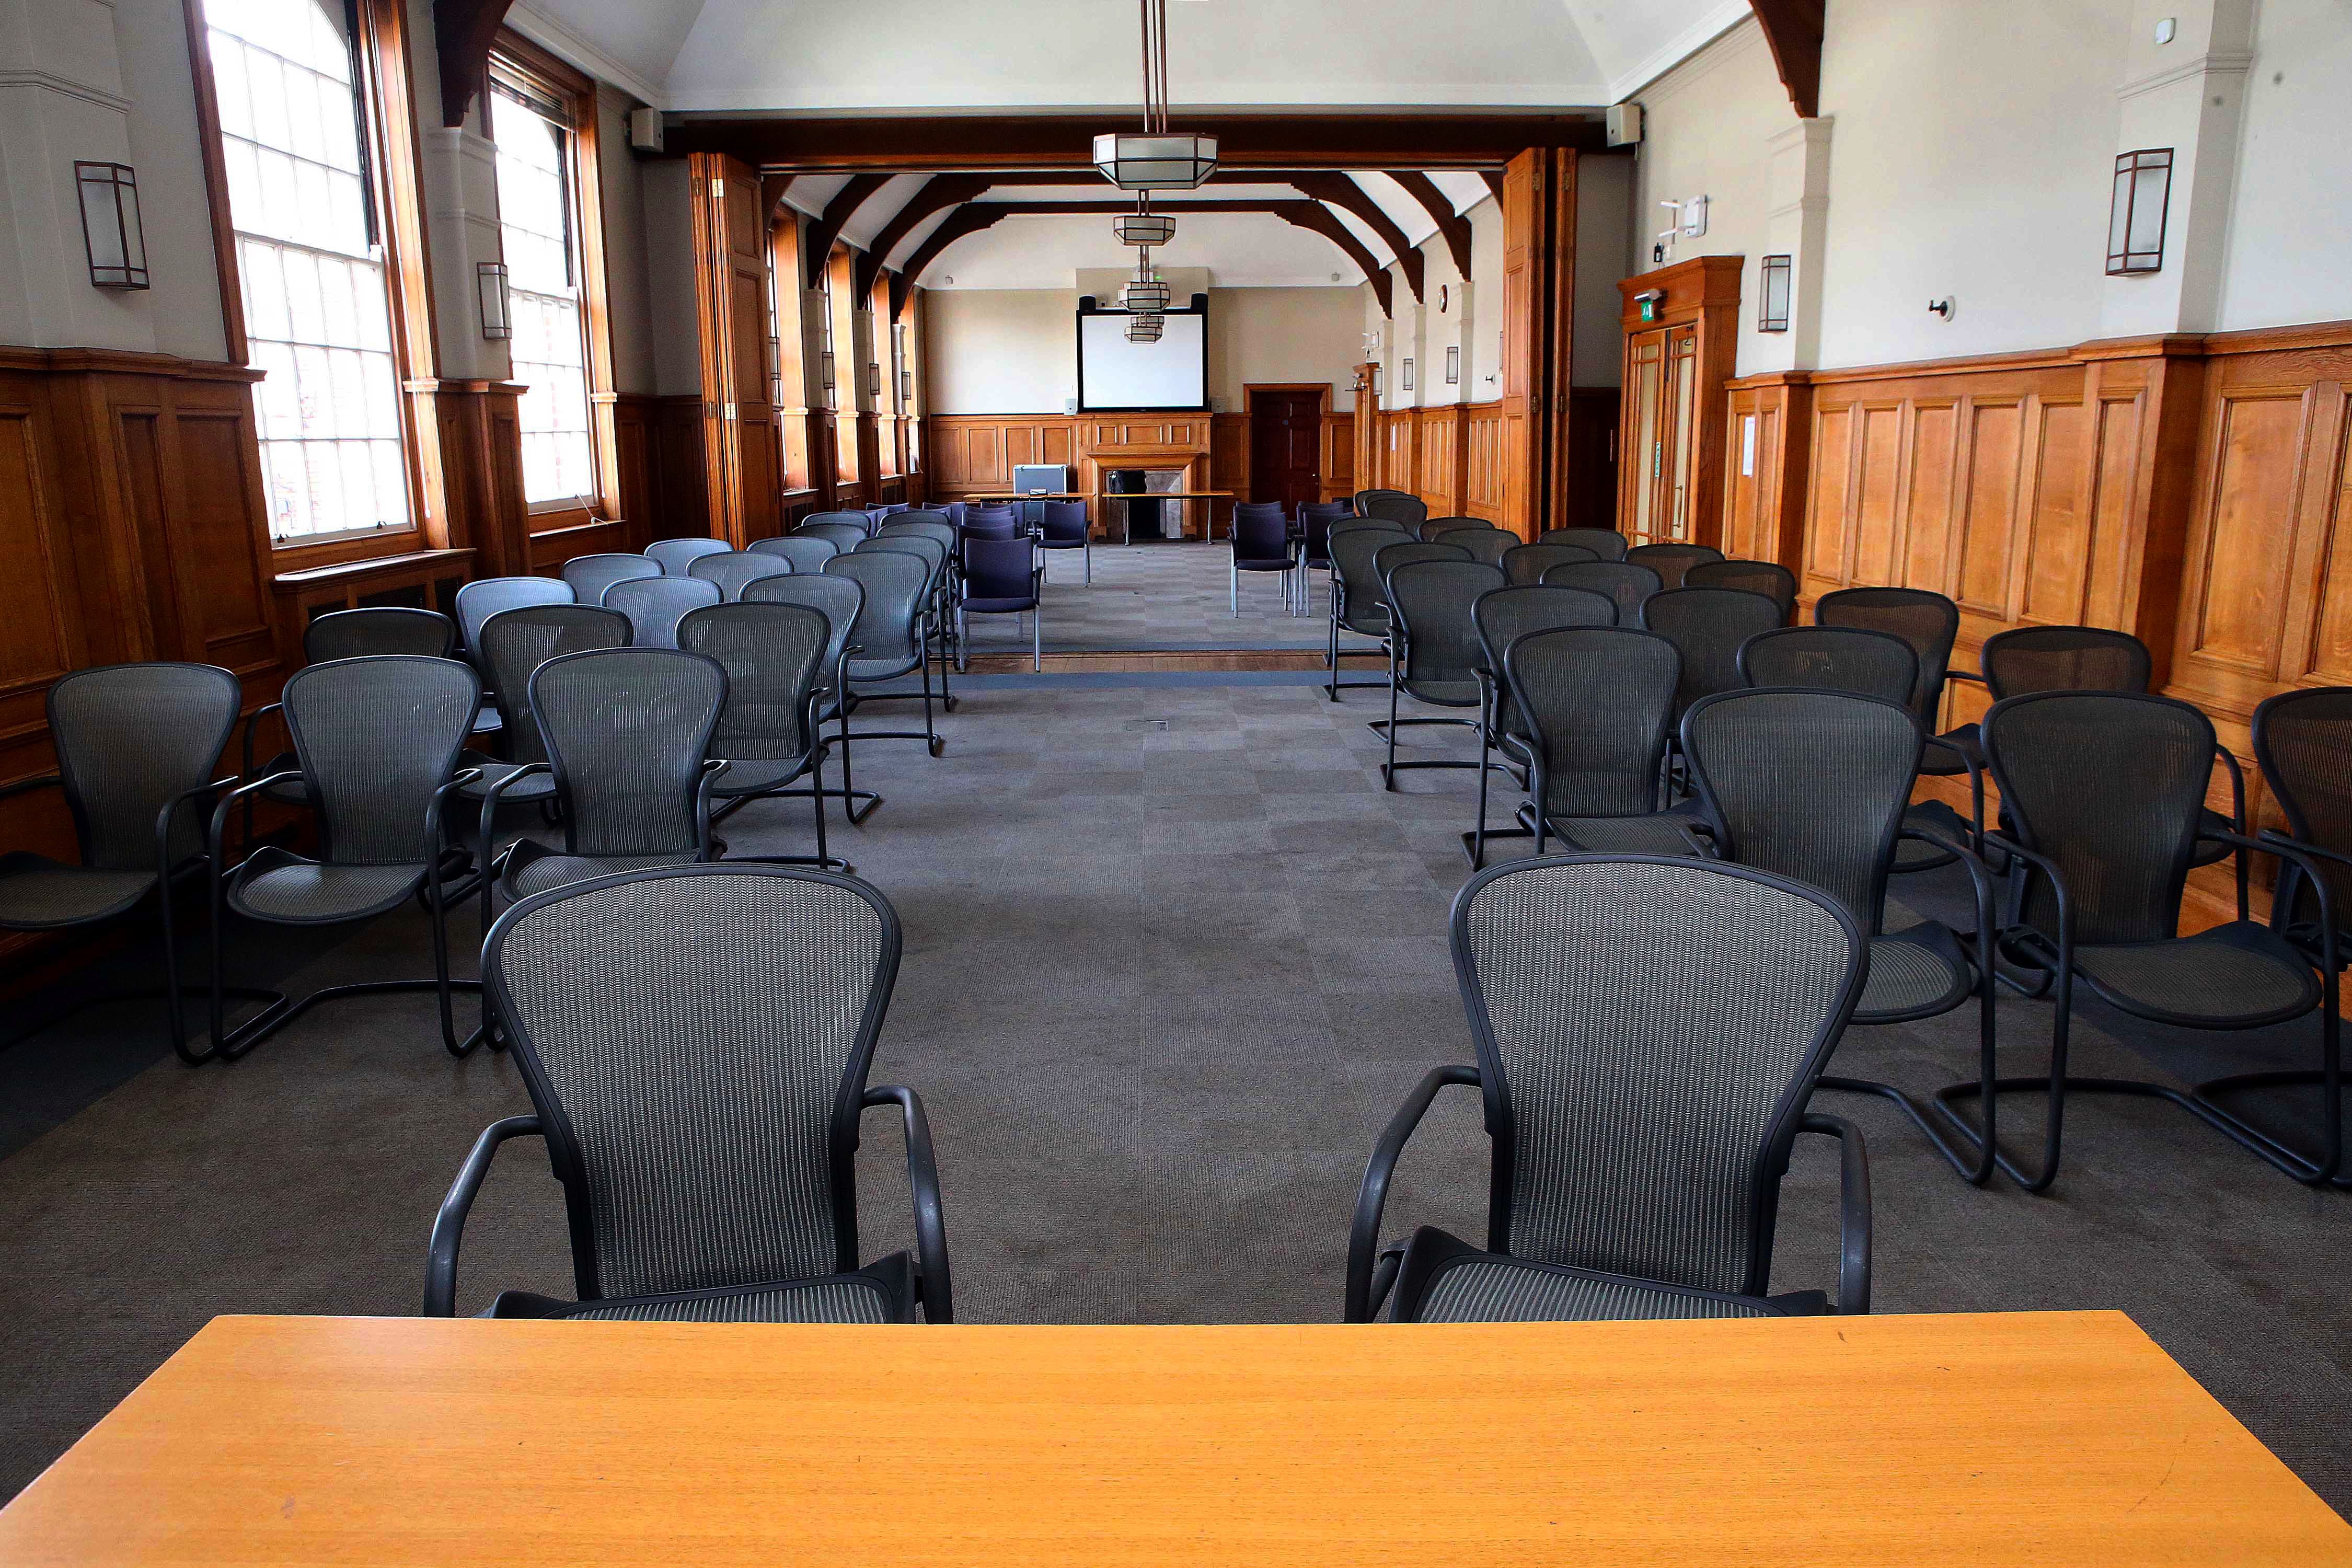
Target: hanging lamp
1158	159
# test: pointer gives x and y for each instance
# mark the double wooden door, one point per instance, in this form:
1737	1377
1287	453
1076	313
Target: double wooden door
1657	473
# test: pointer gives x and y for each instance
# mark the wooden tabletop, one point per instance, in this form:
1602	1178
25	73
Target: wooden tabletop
2049	1439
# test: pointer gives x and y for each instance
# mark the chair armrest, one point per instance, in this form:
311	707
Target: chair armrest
25	787
1364	1235
1854	1209
163	818
220	807
2303	858
1968	675
711	768
490	798
449	1224
252	723
1979	879
936	1288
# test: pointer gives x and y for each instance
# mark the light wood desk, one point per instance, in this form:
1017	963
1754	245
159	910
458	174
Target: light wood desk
2043	1439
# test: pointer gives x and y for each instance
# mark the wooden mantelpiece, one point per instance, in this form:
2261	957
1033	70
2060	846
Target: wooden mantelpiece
1153	443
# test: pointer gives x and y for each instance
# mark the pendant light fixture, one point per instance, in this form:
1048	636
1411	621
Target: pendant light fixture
1144	328
1156	160
1145	294
1143	227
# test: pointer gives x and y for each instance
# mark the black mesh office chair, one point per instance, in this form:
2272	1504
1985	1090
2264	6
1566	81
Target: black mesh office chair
1502	617
1599	703
1395	505
1606	544
515	643
1526	563
675	556
1357	607
1930	623
1648	1032
732	571
768	732
2106	792
1434	656
1770	578
655	605
849	518
839	599
842	536
1833	658
1812	786
1671	561
485	596
628	740
377	742
1708	626
806	551
696	1043
137	747
892	636
2302	743
1432	529
942	632
378	629
1485	542
1627	582
589	576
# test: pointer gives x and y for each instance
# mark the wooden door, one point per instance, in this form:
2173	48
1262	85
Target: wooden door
743	448
1678	482
1286	457
1643	460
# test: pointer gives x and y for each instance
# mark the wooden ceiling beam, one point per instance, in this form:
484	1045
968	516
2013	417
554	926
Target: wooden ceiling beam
1334	189
1451	224
969	218
1317	218
463	32
1793	28
829	224
936	194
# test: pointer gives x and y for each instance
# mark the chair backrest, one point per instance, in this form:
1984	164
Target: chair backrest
1483	544
1627	581
1432	601
1395	505
696	1041
933	515
932	553
1315	520
773	656
979	524
1437	527
737	569
1671	561
895	583
2064	659
378	629
1833	658
655	605
515	643
2111	786
1928	621
1808	785
674	555
806	551
1526	563
485	596
1600	702
129	739
2303	743
838	598
1503	615
1708	626
1353	525
626	729
1606	544
1770	578
1389	557
1355	553
863	522
842	536
375	738
992	515
943	534
589	576
1262	509
1261	532
999	569
1648	1032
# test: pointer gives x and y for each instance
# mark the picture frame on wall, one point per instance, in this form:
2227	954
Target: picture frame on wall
1408	375
1453	365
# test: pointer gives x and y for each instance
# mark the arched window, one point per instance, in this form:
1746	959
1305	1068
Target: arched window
313	265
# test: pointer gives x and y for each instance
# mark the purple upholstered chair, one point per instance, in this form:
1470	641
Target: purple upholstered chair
1063	526
1003	577
1262	542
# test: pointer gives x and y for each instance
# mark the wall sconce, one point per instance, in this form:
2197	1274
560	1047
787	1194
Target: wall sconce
906	386
872	379
1407	384
824	369
110	233
1453	365
490	290
1772	315
2136	221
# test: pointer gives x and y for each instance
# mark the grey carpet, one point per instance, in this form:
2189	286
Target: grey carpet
1173	959
1166	597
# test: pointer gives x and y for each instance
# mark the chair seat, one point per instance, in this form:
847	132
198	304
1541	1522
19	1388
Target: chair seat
1263	564
883	668
1371	624
2236	976
1656	833
1443	693
38	893
298	891
842	1298
1006	607
539	786
749	775
540	872
1914	973
1488	1287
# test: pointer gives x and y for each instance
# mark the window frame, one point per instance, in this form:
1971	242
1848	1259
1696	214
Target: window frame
388	123
528	70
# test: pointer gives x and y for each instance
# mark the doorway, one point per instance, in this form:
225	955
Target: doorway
1285	443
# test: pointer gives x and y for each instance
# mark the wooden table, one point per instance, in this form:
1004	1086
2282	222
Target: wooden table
2047	1439
1127	513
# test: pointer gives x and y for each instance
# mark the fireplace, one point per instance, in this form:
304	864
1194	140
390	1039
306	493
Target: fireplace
1141	455
1150	522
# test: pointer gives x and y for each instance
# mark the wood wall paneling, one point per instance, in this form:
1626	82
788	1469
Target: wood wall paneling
1338	456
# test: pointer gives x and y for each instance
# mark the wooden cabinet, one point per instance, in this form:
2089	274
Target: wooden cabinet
1670	473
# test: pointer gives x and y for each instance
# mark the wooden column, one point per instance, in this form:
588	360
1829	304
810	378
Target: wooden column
470	435
1529	290
743	452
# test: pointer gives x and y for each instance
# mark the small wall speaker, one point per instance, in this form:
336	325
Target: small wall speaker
1624	124
1069	406
645	129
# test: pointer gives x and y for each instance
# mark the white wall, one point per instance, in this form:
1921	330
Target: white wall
2289	251
1272	335
627	295
669	276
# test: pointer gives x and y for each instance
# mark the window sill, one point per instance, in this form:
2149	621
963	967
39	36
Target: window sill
306	555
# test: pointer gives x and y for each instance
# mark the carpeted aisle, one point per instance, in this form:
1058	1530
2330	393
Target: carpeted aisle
1173	959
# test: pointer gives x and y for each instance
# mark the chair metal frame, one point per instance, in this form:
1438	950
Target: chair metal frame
1394	646
1334	653
812	765
925	635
